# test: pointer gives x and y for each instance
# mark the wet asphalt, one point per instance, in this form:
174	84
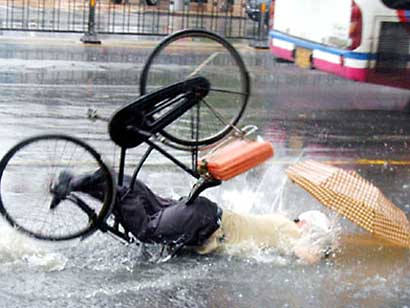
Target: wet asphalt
47	84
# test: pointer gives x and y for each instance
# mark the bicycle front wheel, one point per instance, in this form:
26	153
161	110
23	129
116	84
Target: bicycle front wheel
27	173
189	53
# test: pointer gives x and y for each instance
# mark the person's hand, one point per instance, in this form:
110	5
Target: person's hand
307	254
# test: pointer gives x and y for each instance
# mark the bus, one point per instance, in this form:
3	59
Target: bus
362	40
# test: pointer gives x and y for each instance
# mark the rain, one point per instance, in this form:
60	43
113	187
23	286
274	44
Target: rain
48	85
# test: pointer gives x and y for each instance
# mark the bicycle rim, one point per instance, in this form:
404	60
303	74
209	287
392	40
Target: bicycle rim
190	53
26	174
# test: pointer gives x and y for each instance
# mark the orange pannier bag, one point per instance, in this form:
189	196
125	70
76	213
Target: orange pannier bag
235	158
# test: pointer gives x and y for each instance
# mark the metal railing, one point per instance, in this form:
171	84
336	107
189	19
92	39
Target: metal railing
92	17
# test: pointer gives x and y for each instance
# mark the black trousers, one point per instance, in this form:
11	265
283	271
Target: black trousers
153	219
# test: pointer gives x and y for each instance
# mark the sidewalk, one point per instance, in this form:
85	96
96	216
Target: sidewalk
63	40
49	59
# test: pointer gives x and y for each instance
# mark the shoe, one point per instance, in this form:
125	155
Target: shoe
61	188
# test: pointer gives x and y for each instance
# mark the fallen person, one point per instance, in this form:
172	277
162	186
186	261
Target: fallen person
203	225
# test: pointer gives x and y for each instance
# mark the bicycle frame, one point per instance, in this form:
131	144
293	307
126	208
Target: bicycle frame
167	118
138	122
141	120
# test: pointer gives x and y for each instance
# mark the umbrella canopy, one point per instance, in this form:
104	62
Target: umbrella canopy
353	197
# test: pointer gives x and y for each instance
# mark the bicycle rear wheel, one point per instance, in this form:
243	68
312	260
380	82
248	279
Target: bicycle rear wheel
189	53
27	173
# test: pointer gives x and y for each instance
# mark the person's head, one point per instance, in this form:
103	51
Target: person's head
316	230
313	220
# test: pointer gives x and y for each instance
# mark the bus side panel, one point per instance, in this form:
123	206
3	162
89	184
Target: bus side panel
353	73
316	25
282	49
342	62
296	26
322	21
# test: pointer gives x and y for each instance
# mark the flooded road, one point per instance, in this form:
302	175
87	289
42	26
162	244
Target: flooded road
48	85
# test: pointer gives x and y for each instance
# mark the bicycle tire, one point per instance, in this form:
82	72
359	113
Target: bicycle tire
224	61
26	204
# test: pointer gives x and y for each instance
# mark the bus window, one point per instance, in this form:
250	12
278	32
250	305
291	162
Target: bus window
397	4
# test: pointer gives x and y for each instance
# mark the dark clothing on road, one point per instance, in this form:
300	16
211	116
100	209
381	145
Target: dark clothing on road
153	219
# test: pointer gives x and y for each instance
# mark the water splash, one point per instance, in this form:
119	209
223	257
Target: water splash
252	252
19	251
258	191
264	191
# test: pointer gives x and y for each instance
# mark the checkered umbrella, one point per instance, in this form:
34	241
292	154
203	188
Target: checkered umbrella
354	198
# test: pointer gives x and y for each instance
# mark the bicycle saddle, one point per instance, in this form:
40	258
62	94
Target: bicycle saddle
149	114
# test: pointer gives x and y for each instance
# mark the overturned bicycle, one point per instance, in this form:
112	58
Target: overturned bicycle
182	115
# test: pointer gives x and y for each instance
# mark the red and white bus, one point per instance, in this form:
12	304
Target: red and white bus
363	40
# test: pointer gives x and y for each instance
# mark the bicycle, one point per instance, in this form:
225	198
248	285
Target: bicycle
165	115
